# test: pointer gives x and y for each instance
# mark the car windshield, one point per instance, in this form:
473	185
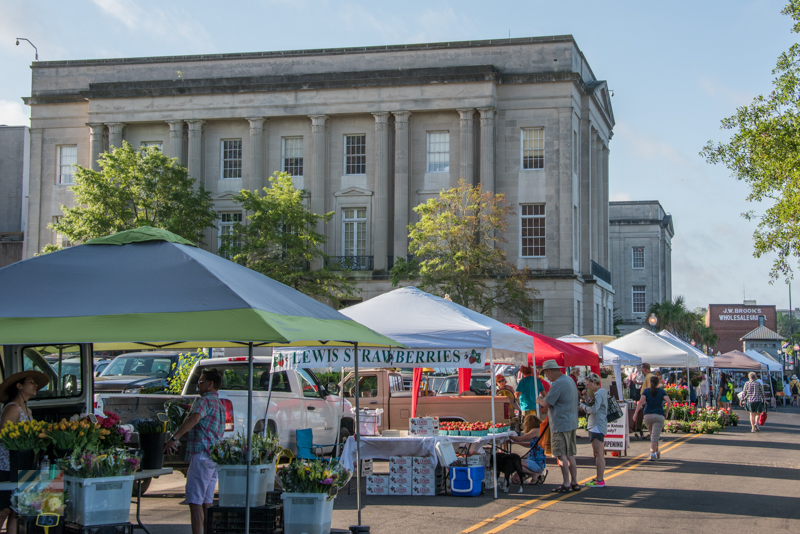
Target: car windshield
156	366
477	385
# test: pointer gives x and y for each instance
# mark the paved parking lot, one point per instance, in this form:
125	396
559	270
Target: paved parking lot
728	482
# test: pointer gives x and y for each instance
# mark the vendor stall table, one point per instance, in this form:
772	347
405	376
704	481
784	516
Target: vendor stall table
137	479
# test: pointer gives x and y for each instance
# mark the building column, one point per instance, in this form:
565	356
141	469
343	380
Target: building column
605	225
257	178
467	146
176	140
401	191
96	130
487	148
318	150
115	134
195	163
380	226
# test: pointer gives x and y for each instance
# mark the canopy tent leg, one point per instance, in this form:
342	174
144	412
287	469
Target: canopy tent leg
357	437
535	390
339	443
494	436
249	454
269	399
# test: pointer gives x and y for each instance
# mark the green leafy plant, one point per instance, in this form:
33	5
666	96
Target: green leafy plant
183	368
314	476
148	426
177	410
233	451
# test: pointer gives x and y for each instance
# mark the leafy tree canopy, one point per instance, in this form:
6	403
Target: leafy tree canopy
279	239
687	325
458	243
764	152
135	188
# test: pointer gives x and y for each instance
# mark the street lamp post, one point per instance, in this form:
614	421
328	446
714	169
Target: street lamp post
653	321
794	357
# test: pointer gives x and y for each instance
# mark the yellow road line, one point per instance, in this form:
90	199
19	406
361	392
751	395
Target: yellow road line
562	497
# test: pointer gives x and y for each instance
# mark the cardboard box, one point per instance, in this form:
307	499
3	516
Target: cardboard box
400	470
477	460
424	470
424	432
423	460
366	467
423	490
400	489
406	461
400	480
424	481
378	480
423	426
381	489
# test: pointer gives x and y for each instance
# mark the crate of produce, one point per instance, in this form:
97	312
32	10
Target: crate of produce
119	528
230	520
99	501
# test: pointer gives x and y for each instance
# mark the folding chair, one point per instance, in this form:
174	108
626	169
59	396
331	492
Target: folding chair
306	447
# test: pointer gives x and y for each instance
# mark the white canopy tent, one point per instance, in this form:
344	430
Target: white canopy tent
703	359
655	350
438	333
616	359
772	365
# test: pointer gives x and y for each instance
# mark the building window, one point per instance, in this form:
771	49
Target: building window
537	319
355	154
438	151
226	235
354	230
58	239
147	144
532	231
532	148
231	158
67	159
292	155
638	257
639	300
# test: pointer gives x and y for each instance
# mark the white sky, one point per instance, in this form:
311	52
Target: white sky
676	69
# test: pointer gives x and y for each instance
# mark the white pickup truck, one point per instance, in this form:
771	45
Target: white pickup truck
298	400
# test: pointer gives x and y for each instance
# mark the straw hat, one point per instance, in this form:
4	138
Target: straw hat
550	364
40	378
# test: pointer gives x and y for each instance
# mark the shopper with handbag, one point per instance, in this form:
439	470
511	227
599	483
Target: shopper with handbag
535	464
753	400
656	403
596	407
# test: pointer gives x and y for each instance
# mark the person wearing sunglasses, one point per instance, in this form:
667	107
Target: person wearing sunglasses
502	385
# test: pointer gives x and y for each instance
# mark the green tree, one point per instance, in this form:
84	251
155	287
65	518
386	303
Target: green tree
458	243
183	369
279	239
764	152
135	188
688	325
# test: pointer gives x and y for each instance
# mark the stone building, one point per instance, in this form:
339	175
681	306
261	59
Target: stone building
732	322
641	248
369	133
14	160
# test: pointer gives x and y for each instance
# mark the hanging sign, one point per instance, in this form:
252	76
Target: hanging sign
337	357
617	437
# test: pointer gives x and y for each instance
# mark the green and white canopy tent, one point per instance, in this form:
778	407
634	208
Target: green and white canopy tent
150	288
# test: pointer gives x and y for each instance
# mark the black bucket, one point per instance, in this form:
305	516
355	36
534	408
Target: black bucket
152	446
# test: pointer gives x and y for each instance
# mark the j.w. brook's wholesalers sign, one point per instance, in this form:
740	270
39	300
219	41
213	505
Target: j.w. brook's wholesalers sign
372	358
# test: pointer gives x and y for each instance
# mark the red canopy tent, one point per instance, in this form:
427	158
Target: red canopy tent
565	354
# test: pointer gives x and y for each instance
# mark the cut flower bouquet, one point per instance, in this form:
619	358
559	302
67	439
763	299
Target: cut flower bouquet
233	451
94	465
314	476
25	436
40	498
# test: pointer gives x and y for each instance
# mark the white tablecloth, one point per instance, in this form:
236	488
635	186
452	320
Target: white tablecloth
502	437
382	448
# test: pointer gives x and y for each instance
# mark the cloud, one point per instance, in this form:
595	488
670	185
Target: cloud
619	196
168	23
717	91
13	114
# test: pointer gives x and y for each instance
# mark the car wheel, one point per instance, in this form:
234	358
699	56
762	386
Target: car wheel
145	485
344	433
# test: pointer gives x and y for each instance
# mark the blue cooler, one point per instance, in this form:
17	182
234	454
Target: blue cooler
466	481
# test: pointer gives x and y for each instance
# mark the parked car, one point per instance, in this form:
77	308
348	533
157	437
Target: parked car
477	384
138	373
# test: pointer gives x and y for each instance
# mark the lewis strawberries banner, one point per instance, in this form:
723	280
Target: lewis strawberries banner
336	357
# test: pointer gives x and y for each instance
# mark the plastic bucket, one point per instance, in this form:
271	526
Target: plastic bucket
232	485
307	513
99	501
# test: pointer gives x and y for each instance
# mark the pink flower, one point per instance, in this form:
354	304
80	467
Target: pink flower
327	481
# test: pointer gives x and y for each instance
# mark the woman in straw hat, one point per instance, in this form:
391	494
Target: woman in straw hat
15	391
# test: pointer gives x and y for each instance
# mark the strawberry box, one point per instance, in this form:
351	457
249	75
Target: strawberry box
400	470
424	470
400	480
424	481
381	489
423	460
423	490
377	480
399	489
405	461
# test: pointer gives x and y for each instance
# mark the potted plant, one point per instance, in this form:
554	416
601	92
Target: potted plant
309	487
151	441
99	486
70	437
24	440
230	455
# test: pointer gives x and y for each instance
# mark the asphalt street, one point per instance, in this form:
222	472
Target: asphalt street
726	482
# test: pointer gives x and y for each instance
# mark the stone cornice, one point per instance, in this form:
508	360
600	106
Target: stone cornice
309	53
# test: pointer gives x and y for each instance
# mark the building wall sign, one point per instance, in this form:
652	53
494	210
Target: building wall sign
732	321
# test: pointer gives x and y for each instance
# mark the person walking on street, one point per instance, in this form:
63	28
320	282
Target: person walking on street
638	422
205	425
561	404
703	390
526	392
596	407
753	400
653	402
794	385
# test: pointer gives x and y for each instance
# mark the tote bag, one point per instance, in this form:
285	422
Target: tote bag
614	412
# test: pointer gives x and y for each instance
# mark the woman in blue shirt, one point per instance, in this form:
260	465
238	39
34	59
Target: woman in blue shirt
656	403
